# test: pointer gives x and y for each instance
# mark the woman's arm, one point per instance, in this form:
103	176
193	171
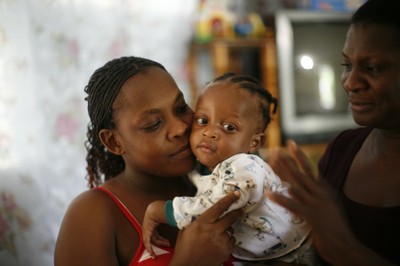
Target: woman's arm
86	235
313	200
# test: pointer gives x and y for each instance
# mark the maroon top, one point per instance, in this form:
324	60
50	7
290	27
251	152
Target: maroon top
378	228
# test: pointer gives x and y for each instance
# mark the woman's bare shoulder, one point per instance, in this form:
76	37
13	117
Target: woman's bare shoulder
91	197
88	226
90	201
90	206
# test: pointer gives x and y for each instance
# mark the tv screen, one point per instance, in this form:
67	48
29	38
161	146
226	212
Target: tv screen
313	104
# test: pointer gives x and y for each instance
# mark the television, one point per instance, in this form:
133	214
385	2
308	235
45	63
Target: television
313	105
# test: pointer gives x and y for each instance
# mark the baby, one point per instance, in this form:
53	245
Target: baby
230	119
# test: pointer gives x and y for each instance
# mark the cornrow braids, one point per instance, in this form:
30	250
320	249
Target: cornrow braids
255	87
102	89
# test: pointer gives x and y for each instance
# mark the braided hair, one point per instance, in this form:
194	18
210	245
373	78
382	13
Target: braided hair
255	87
102	89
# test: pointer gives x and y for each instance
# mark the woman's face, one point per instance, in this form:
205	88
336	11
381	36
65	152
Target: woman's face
225	122
371	75
153	125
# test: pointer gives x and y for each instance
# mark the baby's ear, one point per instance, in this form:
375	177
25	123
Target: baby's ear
110	141
257	140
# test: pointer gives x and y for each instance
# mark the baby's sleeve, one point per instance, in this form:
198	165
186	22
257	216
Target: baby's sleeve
169	213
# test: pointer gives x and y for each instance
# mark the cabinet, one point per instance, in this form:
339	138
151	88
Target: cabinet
225	56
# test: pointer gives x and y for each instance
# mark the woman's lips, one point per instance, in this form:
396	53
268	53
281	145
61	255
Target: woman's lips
182	152
360	107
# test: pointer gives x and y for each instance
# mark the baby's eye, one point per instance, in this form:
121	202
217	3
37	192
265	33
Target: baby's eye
229	127
201	121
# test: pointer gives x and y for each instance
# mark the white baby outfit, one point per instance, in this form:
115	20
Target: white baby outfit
267	230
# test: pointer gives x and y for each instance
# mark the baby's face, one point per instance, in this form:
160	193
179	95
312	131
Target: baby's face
225	121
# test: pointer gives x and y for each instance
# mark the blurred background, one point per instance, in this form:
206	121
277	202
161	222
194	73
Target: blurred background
49	49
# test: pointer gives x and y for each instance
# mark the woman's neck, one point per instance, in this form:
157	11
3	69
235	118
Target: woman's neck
164	187
385	143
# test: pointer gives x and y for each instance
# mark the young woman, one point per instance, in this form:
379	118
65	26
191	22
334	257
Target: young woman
363	165
138	152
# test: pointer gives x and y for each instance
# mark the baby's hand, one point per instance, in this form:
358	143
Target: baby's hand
158	240
150	234
154	238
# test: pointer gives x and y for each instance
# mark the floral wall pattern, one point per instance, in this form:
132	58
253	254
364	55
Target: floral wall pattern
48	50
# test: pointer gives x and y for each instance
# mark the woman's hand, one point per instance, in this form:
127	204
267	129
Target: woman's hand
310	199
208	240
313	200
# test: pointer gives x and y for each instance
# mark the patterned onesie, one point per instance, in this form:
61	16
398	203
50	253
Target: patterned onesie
267	230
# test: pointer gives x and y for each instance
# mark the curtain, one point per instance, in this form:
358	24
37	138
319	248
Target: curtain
48	50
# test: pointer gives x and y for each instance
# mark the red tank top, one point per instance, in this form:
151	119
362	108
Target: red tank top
142	257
